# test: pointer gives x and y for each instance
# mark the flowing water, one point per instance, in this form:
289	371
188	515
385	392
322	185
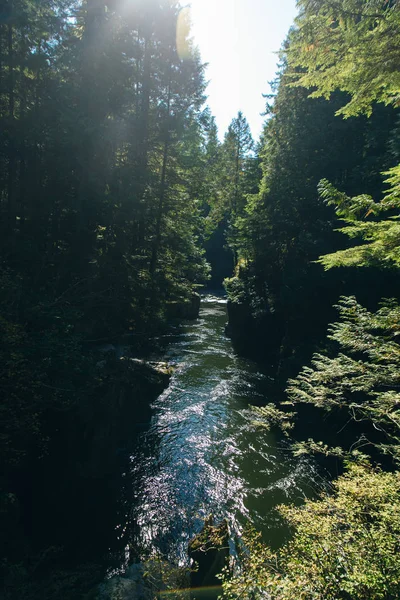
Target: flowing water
202	452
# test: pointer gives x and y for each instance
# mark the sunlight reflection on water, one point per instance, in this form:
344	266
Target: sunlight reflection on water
201	453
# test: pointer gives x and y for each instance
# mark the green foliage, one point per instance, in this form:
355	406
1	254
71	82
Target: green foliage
345	545
350	45
363	377
235	172
98	183
382	235
285	225
102	147
236	288
155	578
310	446
43	371
270	416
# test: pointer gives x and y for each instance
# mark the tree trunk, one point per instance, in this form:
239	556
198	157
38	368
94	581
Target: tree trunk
161	198
157	240
142	143
11	144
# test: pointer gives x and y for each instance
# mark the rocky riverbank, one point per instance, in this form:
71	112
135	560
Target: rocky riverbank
60	512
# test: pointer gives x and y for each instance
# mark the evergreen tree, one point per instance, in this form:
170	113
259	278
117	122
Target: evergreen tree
102	141
286	226
351	46
342	544
363	377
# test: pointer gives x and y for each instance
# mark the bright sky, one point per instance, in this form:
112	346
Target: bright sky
238	39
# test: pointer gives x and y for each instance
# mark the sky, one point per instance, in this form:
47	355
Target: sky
238	39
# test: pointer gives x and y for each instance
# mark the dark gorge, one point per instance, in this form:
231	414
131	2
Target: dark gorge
199	357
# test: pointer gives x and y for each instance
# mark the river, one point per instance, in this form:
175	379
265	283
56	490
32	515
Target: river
202	453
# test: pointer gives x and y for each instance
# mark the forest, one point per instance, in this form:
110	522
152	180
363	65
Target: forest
121	206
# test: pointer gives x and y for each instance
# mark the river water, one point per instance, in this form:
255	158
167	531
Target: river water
202	452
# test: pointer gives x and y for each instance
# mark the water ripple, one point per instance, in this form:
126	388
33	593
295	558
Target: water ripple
202	453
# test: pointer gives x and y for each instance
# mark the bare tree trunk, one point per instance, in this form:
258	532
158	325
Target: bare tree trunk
11	145
161	198
160	213
142	141
22	168
236	194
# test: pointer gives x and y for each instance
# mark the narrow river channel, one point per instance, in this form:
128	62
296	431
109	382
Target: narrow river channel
202	453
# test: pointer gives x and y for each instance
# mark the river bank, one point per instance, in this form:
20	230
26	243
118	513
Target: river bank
157	456
59	511
202	454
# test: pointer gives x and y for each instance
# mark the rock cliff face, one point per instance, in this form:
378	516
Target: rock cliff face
185	309
129	385
148	580
259	334
65	508
209	551
240	320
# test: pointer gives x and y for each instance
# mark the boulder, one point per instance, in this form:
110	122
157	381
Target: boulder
185	309
155	578
254	332
131	586
127	389
209	550
155	374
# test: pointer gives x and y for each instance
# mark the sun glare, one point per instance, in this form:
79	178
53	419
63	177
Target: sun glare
239	40
183	33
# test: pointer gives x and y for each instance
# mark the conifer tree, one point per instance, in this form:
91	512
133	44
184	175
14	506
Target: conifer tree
286	226
101	142
342	544
236	156
365	385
